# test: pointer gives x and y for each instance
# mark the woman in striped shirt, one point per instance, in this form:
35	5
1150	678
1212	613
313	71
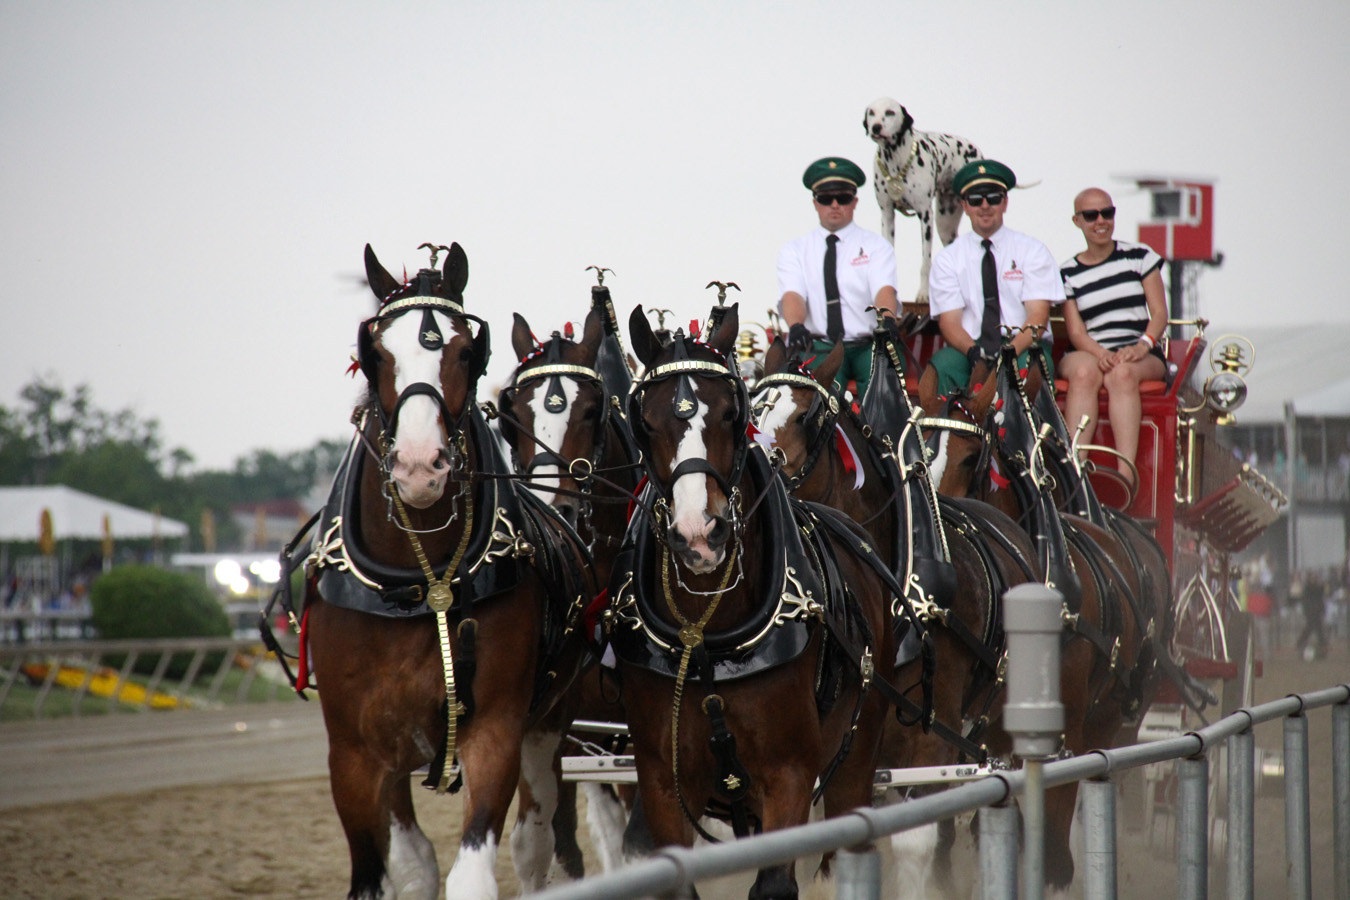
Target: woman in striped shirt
1115	314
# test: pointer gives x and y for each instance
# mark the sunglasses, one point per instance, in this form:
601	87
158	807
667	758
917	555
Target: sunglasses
843	199
1090	215
994	198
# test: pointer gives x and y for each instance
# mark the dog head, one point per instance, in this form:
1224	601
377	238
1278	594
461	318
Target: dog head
886	121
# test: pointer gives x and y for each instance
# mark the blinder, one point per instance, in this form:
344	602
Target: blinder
685	406
820	415
555	401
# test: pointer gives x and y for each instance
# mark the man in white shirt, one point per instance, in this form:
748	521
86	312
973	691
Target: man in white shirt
827	279
988	278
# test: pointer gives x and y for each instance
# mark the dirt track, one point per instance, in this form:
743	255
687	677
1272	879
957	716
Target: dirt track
213	831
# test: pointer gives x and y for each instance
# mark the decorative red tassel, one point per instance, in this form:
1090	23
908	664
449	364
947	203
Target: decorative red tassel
302	655
353	368
567	330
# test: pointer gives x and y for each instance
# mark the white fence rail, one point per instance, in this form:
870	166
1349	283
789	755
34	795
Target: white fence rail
673	870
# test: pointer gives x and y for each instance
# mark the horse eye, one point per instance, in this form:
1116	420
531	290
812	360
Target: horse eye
589	415
466	354
728	415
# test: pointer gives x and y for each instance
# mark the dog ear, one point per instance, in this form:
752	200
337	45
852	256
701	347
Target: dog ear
522	339
907	124
641	339
382	284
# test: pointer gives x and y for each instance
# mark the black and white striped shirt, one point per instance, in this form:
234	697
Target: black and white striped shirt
1110	294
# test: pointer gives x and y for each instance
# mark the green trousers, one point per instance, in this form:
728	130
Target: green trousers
953	368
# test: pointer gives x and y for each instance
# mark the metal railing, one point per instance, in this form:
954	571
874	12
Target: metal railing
858	871
73	678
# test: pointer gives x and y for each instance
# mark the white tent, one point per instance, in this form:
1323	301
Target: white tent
77	515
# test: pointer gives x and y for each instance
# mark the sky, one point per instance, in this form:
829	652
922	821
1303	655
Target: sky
186	189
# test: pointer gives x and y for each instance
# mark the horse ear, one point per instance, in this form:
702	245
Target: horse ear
456	271
928	395
522	339
825	372
382	284
593	332
644	343
776	357
724	338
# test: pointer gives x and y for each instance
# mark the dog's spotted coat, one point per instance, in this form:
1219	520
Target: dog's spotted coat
913	169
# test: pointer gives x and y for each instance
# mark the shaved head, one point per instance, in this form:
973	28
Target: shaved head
1091	198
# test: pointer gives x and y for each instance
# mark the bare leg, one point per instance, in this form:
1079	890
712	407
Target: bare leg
1085	382
1122	388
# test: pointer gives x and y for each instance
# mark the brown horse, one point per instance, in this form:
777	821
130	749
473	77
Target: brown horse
956	559
990	447
442	608
567	434
745	678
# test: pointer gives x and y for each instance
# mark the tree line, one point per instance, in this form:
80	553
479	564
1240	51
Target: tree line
56	436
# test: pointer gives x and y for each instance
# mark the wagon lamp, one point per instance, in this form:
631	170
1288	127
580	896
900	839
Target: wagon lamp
1226	389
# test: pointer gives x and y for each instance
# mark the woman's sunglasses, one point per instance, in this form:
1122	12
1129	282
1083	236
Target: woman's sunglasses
843	199
1090	215
994	198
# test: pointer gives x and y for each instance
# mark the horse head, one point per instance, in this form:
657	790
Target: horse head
796	409
959	429
689	415
555	412
422	360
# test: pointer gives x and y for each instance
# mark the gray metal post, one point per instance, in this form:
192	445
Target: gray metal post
857	875
998	852
1242	816
1099	839
1193	828
1297	824
1032	713
1340	777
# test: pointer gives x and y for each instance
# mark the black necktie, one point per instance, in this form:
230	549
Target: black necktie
990	338
834	328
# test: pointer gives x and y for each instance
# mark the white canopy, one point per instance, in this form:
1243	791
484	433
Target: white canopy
76	514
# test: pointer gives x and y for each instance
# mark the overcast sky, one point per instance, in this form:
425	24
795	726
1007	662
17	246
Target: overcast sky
186	188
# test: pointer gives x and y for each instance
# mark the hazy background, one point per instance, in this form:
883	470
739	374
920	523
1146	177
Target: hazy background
186	189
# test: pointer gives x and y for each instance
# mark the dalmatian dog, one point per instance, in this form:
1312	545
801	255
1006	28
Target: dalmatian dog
912	170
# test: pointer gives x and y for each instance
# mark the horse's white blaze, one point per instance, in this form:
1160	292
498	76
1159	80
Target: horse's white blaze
532	836
550	428
473	876
410	870
912	857
418	440
689	493
776	413
938	465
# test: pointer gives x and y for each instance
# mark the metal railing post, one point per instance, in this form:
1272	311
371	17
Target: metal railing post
1297	825
857	874
1032	713
1242	816
1340	776
1099	838
1193	828
998	852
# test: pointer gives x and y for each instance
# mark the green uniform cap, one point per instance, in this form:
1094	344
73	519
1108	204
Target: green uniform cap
833	168
983	171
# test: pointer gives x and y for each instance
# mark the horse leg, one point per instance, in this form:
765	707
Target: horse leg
606	819
491	767
532	838
390	855
567	854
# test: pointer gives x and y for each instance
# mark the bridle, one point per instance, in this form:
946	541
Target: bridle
684	406
957	417
431	338
821	416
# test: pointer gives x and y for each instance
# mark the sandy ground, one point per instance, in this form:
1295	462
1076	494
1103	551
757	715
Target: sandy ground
236	837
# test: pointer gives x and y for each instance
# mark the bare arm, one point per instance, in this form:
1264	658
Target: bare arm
1157	319
953	332
793	308
1038	316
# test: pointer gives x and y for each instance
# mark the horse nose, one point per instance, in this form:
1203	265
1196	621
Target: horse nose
719	533
676	540
569	513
